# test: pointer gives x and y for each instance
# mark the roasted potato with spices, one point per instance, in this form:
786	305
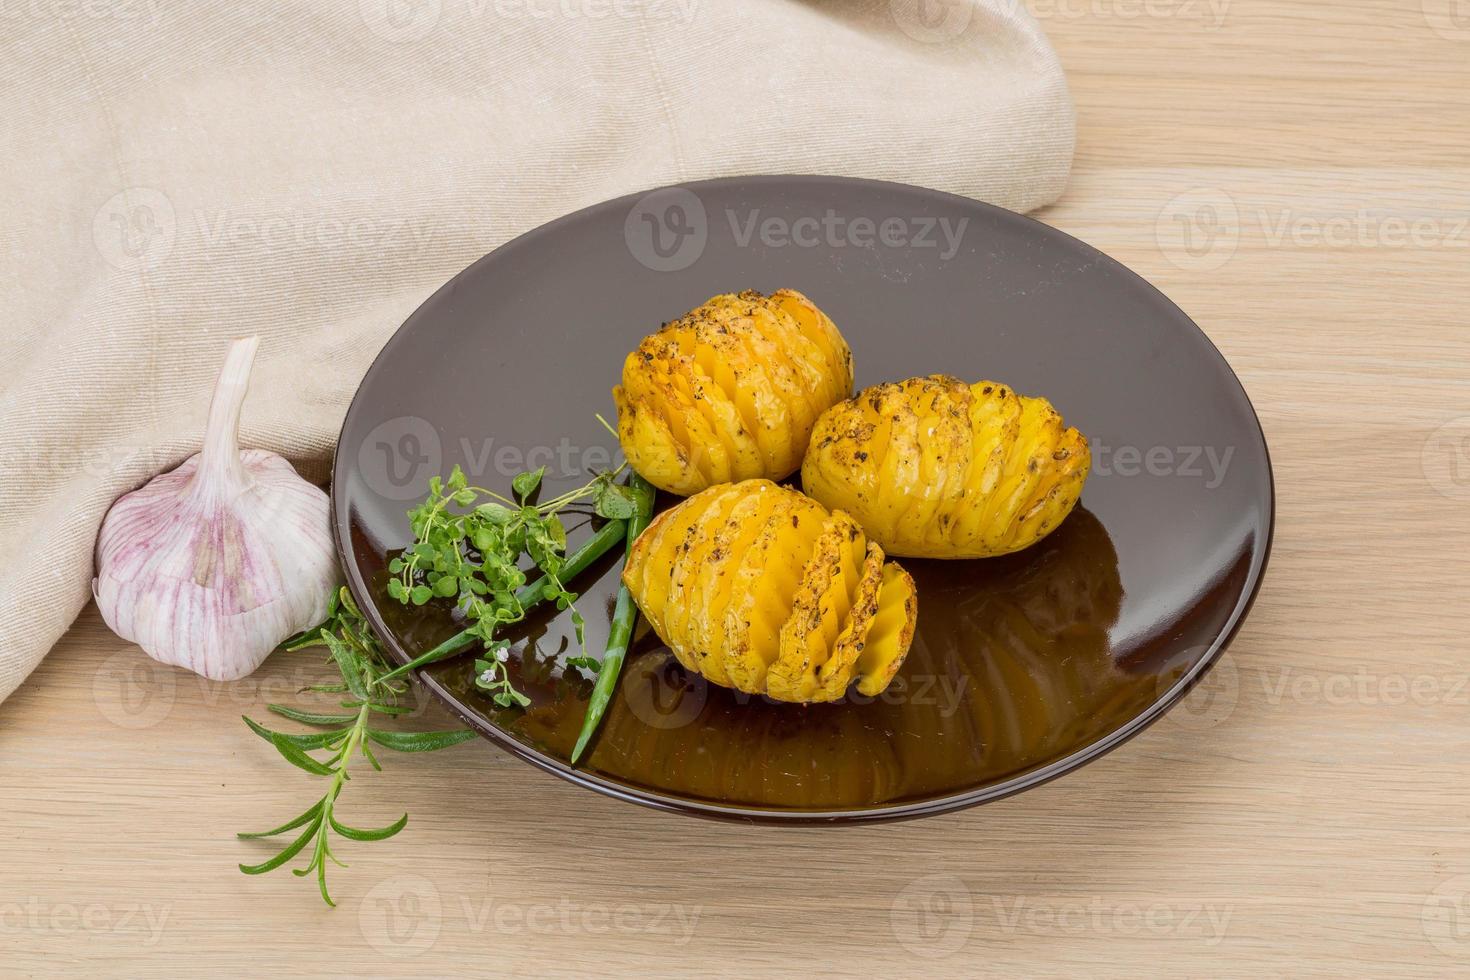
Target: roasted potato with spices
730	391
935	468
760	588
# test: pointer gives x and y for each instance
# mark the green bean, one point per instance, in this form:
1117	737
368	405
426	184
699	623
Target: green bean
625	615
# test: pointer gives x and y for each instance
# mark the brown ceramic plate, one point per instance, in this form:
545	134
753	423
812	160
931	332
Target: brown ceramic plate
1022	668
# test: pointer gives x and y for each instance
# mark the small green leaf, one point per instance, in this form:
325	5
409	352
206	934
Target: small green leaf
525	484
292	849
309	638
509	696
309	717
292	825
367	753
557	532
495	513
352	833
312	740
348	665
446	586
421	594
396	590
419	741
614	502
297	756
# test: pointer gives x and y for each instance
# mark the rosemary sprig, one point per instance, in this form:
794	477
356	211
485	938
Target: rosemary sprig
364	669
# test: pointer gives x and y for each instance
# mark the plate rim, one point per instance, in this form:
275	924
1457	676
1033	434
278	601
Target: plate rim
877	813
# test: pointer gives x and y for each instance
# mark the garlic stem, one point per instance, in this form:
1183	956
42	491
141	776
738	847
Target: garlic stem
219	458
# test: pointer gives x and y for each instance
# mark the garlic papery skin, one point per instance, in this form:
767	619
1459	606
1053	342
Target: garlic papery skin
211	565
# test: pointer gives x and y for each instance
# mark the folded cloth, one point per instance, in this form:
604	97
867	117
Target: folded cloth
178	176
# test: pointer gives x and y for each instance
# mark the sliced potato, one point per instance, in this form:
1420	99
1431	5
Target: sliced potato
730	391
935	468
760	588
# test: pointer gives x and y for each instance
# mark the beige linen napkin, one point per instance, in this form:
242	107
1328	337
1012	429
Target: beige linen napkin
178	175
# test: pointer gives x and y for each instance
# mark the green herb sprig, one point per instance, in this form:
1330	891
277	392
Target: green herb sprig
369	691
468	545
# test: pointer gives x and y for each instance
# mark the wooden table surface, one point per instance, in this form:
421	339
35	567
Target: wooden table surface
1296	175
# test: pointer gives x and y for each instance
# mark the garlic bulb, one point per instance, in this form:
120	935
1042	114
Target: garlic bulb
212	565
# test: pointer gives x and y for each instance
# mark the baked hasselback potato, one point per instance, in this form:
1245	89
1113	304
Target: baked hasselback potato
936	468
760	588
730	391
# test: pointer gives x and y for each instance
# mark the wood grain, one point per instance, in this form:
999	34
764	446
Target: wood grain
1305	814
